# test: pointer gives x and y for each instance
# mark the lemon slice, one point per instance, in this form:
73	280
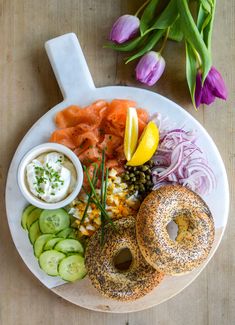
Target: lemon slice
131	133
147	146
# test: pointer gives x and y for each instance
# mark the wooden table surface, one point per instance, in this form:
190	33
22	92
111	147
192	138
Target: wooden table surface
28	90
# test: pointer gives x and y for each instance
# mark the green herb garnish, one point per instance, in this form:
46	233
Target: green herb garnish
93	197
47	174
94	180
102	198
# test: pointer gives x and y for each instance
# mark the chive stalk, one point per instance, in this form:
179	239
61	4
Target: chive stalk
94	180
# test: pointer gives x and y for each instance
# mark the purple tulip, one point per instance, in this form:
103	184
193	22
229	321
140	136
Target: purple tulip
150	68
213	87
125	28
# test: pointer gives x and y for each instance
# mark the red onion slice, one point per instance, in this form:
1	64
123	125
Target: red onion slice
180	160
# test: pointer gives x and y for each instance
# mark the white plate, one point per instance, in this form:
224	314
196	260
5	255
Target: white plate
77	87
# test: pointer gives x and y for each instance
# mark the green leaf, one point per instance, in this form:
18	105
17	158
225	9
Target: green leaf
205	23
167	17
206	5
148	15
202	16
148	46
125	47
191	71
193	36
176	33
207	35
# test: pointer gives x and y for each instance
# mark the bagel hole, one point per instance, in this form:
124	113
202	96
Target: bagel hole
122	260
172	229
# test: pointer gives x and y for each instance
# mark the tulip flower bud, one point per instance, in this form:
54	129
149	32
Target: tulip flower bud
125	28
213	87
150	68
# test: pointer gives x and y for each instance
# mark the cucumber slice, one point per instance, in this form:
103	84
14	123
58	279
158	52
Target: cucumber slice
33	216
69	246
53	221
49	261
34	232
72	268
51	243
39	244
25	215
65	232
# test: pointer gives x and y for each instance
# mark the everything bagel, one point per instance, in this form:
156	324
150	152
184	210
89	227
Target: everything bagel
134	282
192	244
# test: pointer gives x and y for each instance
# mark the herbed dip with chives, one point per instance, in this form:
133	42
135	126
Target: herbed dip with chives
51	177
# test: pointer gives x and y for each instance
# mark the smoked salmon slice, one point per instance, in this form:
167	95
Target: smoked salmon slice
74	115
101	125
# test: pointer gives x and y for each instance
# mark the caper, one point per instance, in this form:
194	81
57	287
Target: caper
137	172
126	177
131	188
132	175
144	168
137	187
149	183
147	176
133	179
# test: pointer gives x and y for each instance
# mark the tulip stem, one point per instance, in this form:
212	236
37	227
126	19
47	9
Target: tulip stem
142	7
165	39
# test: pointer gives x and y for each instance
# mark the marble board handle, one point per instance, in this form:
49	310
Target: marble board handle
69	65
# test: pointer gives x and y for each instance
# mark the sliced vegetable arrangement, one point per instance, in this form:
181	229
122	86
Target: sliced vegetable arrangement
55	242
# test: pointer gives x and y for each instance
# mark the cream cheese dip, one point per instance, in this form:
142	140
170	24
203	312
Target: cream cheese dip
51	177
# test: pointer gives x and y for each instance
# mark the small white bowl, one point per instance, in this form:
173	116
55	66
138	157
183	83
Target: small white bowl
37	151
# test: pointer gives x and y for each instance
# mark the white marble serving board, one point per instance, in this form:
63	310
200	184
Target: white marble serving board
77	87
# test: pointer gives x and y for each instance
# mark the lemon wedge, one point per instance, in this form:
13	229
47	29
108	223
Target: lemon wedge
131	133
147	146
